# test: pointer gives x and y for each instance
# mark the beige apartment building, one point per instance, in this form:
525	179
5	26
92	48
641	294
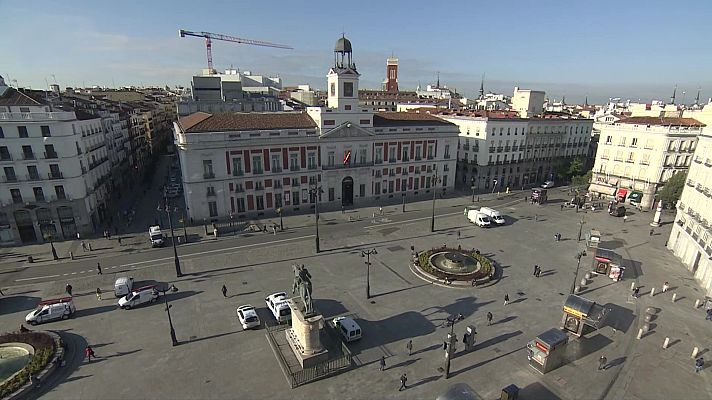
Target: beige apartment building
637	155
691	236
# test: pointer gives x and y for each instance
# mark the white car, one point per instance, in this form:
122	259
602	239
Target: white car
277	304
248	317
146	294
548	184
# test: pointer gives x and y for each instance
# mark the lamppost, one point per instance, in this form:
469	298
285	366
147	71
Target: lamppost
494	185
51	244
281	223
316	191
472	186
172	288
185	232
404	193
173	238
434	181
578	265
450	343
583	221
367	254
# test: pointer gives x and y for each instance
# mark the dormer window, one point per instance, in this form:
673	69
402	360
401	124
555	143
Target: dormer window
348	89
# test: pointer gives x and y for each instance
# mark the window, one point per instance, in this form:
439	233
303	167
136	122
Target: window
213	208
295	198
27	153
311	160
404	156
379	155
277	184
333	89
22	131
54	171
634	143
278	200
332	195
347	107
4	153
377	188
2	134
237	166
447	151
16	196
257	164
240	205
609	139
362	190
208	169
45	131
444	180
392	154
211	191
32	172
59	191
10	174
49	151
362	156
294	162
418	152
430	151
330	159
276	163
39	195
348	89
260	200
329	122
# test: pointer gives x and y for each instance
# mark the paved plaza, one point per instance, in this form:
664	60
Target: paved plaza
217	359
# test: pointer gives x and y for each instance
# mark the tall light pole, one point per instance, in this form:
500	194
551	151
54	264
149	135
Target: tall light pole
51	244
578	265
435	181
172	288
404	193
316	191
281	223
367	254
173	238
583	221
450	344
185	232
472	186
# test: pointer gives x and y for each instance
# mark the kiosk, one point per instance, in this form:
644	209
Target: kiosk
607	262
580	312
546	352
538	195
593	238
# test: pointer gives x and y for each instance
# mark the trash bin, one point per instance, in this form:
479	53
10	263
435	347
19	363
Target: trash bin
30	259
510	392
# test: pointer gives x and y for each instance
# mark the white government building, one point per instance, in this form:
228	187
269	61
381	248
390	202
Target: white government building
244	164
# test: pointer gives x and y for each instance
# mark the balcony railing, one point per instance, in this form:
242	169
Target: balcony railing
466	147
28	156
499	149
341	166
294	168
50	155
507	148
209	175
491	149
239	172
5	157
55	175
33	177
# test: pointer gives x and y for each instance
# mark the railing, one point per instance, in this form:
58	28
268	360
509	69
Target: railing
294	168
9	178
57	175
57	115
211	193
28	156
6	157
507	148
33	177
209	175
466	147
341	166
49	155
239	172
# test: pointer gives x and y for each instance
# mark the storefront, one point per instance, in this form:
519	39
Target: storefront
607	262
580	313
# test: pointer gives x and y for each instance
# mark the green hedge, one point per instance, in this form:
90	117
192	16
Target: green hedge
424	263
44	350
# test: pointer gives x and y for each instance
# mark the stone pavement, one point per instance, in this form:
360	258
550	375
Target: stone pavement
218	360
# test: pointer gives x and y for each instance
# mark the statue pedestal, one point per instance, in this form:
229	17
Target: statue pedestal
303	336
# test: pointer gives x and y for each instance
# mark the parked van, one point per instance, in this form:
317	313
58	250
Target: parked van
156	236
146	294
494	215
50	310
348	328
123	286
277	304
478	218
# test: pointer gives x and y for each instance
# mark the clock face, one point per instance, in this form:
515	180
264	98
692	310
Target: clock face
333	89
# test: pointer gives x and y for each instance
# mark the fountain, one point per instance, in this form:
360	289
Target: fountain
455	263
13	358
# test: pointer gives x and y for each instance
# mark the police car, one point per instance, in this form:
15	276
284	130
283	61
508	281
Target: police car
248	317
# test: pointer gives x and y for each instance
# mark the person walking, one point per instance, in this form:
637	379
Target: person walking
68	288
84	246
380	210
409	346
652	231
119	239
666	286
98	269
536	268
506	299
489	318
403	380
636	292
98	294
89	245
79	236
89	353
458	235
538	271
224	291
602	363
625	218
699	363
383	363
709	315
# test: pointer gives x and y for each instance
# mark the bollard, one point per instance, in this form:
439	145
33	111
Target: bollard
646	327
640	334
694	352
697	303
650	310
652	292
632	285
577	289
674	297
71	255
648	317
583	281
666	343
588	275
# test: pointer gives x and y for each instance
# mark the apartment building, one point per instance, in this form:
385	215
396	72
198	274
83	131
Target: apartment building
637	155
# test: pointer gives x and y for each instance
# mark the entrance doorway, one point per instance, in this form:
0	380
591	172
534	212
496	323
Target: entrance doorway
25	226
696	263
347	191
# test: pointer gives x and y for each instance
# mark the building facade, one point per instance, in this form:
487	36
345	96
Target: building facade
55	169
691	236
242	164
637	155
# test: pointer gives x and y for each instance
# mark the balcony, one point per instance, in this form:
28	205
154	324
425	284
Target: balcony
50	155
259	187
211	192
55	175
499	149
466	147
708	163
604	157
5	157
28	156
491	149
208	175
254	172
690	183
33	177
630	160
38	116
342	166
644	162
476	148
294	168
698	160
9	179
507	148
239	172
311	166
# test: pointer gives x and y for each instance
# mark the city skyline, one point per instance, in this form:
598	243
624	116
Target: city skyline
572	54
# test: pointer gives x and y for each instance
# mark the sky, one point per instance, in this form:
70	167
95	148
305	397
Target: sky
628	49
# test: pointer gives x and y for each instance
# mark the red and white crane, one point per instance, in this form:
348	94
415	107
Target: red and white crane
209	37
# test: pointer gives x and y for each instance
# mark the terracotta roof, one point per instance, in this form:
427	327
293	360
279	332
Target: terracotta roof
662	121
15	97
406	119
221	122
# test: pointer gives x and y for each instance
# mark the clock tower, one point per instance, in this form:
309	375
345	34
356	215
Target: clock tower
342	79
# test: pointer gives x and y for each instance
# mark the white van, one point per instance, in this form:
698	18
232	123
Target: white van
494	215
146	294
348	328
277	304
123	286
478	219
156	236
50	310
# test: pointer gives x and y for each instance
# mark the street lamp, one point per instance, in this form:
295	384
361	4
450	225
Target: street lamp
316	191
583	221
281	223
173	238
494	185
404	193
450	344
367	254
172	288
51	244
578	265
472	186
435	181
185	232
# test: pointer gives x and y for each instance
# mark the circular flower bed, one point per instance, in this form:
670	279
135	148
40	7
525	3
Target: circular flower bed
423	262
44	346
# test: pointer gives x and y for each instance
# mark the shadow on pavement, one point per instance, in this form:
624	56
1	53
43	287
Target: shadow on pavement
73	357
425	380
537	390
578	349
85	312
406	325
497	339
13	304
618	318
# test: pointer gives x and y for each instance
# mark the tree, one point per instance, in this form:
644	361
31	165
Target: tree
672	188
581	180
575	167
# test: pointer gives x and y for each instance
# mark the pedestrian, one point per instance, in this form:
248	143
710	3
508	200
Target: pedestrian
666	286
625	218
636	292
562	206
343	211
699	363
525	199
458	235
78	236
409	346
489	318
98	269
274	229
652	231
602	363
383	363
119	240
536	217
709	315
89	245
34	380
380	210
224	291
536	268
98	294
84	246
89	353
506	299
403	380
68	288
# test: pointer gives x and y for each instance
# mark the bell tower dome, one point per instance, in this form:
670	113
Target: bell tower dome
343	79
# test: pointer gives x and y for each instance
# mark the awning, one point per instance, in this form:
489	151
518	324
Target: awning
635	197
577	305
621	193
602	189
613	182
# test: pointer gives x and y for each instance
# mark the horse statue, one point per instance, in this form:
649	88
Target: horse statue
302	283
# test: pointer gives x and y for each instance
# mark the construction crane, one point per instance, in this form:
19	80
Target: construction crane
216	36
